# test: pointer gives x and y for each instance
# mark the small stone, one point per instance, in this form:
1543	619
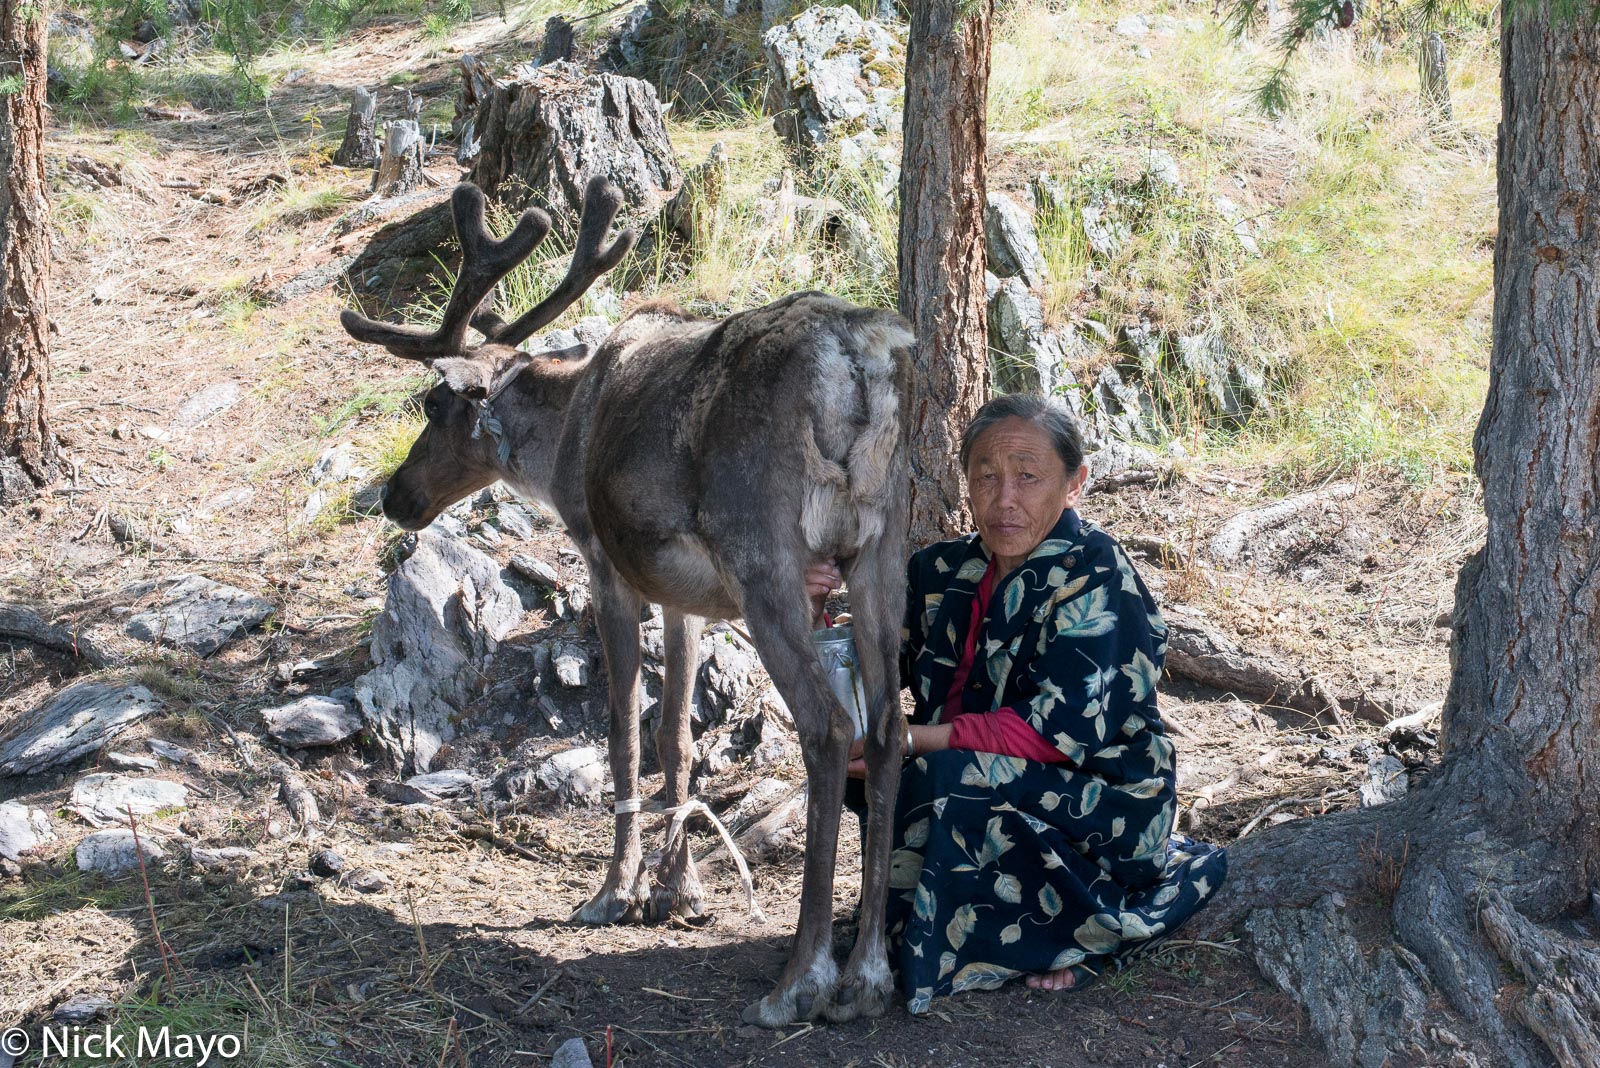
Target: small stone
575	773
456	782
106	797
210	401
514	520
339	463
132	762
571	1054
217	858
311	721
1162	174
81	1009
21	829
113	853
326	863
368	881
1131	26
1386	781
571	665
175	753
536	571
199	615
577	600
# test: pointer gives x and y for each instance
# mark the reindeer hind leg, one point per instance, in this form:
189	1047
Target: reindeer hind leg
678	891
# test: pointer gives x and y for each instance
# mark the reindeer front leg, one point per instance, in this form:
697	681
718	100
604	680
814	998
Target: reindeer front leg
625	897
678	891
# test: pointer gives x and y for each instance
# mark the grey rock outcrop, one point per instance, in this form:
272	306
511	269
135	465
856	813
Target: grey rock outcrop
105	798
312	721
21	829
447	609
1013	242
114	853
199	615
1228	386
1103	226
78	721
825	65
1029	357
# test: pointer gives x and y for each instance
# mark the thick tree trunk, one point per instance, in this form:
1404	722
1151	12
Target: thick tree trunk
27	447
942	249
1482	869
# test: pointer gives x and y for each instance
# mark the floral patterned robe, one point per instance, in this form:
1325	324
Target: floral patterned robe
1004	866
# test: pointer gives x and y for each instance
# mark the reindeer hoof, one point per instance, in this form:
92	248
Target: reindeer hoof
857	999
665	903
607	908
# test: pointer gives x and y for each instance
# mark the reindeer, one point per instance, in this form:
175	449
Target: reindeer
701	465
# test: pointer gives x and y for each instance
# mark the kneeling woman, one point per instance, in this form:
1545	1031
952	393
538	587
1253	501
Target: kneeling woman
1034	827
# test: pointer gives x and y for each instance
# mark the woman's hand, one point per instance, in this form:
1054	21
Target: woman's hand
822	578
925	738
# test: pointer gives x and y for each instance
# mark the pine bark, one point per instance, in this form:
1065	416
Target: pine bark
942	185
28	456
1481	869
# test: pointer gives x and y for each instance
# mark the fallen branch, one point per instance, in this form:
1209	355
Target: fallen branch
19	621
1279	806
1228	544
1204	656
292	791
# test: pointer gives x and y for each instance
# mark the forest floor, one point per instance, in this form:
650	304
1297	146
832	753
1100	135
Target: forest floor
464	955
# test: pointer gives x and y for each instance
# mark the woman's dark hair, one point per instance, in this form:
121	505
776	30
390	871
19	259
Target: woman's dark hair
1047	413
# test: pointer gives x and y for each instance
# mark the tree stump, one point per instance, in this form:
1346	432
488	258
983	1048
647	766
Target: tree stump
559	41
1434	70
400	167
360	145
545	132
476	85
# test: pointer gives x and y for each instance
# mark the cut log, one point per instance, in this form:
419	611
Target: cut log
1229	543
360	145
548	130
19	621
400	167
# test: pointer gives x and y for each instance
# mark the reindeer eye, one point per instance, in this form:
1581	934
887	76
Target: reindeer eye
430	407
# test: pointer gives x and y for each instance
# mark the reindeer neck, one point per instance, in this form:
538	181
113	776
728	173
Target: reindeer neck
531	413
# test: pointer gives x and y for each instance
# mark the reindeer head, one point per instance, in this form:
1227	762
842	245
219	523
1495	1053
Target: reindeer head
462	448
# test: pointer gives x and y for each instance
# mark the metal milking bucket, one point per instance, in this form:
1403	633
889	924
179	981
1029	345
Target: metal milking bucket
836	649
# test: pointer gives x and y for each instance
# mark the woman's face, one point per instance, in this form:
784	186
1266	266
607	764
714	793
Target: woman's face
1018	486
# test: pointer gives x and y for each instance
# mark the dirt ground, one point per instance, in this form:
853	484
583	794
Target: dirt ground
464	955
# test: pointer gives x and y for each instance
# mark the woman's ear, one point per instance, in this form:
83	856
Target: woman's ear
1075	486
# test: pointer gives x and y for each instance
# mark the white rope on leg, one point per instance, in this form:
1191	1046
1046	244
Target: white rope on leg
675	830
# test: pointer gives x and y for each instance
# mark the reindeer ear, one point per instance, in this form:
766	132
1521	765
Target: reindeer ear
571	354
466	377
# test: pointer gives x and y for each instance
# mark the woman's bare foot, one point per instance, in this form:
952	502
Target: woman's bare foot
1060	979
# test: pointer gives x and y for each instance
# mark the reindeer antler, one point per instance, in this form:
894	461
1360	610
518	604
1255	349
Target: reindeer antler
484	261
601	202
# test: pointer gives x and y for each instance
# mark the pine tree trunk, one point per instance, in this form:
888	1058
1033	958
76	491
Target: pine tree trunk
27	446
1480	870
942	184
